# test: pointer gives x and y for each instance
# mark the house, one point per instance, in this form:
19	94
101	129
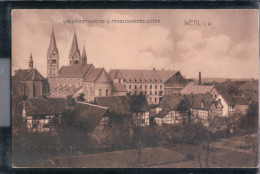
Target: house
37	112
120	108
204	108
193	88
241	104
227	103
29	82
175	84
91	117
147	82
173	109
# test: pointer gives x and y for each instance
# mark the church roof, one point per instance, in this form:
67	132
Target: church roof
95	73
84	56
52	45
74	47
28	74
141	75
75	71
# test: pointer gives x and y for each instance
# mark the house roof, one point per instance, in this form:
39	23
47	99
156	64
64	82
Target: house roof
227	98
171	102
119	105
141	75
95	73
75	71
177	81
250	86
39	106
88	115
27	75
240	100
252	95
197	100
118	87
196	89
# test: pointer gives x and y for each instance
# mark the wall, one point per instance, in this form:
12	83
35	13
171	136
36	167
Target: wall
141	118
224	104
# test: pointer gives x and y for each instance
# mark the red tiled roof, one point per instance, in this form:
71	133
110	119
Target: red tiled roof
75	71
141	75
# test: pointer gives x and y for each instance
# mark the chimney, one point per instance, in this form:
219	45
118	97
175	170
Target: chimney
199	78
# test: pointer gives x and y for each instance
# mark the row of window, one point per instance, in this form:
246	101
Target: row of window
140	80
146	93
141	86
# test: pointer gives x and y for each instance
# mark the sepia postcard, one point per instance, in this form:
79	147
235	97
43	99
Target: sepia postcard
135	88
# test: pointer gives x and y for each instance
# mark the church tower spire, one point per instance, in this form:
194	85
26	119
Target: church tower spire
74	55
52	58
31	62
84	56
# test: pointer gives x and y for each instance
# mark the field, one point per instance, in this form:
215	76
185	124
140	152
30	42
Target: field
223	153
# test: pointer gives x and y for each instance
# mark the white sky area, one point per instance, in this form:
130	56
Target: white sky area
228	48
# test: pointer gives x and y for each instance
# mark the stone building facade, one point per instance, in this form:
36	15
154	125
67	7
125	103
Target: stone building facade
147	82
29	82
78	77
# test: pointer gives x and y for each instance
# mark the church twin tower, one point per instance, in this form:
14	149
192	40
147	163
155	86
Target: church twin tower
53	56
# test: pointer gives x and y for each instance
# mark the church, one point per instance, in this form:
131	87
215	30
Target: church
78	77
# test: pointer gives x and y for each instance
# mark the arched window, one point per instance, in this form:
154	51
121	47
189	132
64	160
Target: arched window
107	90
100	92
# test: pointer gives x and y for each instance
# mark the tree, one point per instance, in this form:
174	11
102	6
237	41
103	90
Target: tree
250	121
183	108
138	102
81	97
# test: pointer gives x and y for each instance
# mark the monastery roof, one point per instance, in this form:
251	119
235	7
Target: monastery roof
141	75
119	105
88	115
39	106
74	71
118	87
196	89
28	74
95	73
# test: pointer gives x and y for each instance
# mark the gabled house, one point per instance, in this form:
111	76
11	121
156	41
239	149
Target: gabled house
193	88
120	108
227	103
173	109
37	112
91	117
241	104
204	108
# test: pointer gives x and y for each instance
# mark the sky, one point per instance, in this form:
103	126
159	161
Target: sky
225	47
